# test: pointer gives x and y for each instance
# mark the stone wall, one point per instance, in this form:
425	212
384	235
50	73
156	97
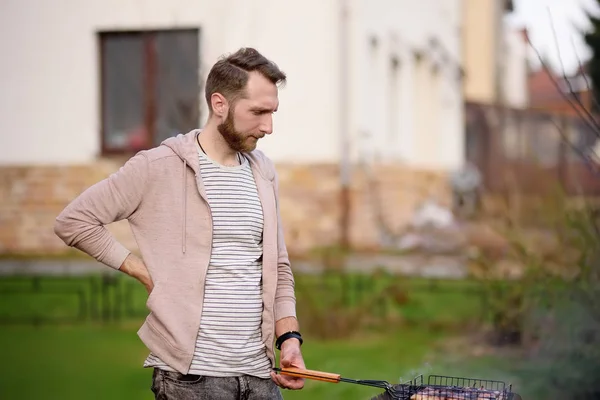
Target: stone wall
311	203
31	197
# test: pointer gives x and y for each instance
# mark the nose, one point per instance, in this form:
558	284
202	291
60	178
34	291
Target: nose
266	125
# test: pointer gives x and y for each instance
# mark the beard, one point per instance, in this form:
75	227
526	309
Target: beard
238	141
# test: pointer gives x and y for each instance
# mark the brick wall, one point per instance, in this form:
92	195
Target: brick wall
310	203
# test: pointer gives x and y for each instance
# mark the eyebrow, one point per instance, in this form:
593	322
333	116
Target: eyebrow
263	109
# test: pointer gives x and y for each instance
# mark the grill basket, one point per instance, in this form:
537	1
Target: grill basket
440	387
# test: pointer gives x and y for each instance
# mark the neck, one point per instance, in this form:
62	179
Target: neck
215	146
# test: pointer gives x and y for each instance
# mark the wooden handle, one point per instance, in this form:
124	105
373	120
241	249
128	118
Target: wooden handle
310	374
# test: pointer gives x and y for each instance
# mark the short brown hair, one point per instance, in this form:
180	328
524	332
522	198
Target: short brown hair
229	75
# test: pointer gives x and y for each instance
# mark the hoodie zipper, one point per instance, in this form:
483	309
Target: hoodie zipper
210	217
209	255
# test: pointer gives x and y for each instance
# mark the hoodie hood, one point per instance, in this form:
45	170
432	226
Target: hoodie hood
184	146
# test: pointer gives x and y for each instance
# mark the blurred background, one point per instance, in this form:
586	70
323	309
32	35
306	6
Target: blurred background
439	183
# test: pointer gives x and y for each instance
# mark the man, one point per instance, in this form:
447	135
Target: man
203	208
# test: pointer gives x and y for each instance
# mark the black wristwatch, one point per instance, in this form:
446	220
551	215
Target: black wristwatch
286	336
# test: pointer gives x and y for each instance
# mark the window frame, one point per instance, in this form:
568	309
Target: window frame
149	74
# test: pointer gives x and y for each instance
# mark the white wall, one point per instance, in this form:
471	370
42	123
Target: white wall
427	129
515	69
49	102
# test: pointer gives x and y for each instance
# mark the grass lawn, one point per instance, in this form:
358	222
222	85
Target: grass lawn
88	360
80	362
95	362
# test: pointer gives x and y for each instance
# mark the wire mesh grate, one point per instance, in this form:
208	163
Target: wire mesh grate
416	381
441	380
449	388
459	388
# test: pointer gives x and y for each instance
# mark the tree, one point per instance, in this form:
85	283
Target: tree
592	39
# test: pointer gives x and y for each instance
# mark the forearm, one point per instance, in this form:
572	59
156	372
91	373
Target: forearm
82	224
285	296
135	267
285	303
79	231
286	325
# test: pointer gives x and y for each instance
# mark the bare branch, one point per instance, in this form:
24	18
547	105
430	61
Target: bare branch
588	86
588	161
587	118
594	128
567	81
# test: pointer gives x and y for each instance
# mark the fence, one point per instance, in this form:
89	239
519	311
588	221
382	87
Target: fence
52	300
43	300
531	151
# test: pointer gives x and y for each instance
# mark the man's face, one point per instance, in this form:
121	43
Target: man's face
251	117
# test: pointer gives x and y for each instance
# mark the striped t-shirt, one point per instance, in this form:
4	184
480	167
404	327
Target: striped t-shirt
229	341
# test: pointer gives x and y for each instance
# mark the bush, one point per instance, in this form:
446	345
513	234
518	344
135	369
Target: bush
566	359
554	307
338	304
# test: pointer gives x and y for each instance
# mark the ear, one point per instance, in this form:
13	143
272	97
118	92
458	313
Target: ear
220	105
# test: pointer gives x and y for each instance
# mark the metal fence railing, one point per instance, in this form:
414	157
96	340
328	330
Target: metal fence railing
104	298
40	300
531	150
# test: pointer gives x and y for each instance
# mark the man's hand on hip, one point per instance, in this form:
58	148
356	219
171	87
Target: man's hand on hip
135	268
290	357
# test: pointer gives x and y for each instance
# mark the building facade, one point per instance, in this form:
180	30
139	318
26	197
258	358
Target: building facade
90	83
495	54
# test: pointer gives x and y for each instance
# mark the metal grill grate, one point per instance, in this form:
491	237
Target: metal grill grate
441	380
437	387
459	388
449	388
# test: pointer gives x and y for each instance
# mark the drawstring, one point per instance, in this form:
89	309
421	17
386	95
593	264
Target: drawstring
183	235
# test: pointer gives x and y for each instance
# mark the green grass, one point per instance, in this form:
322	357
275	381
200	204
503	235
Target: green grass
393	357
95	362
88	360
105	362
416	301
354	301
83	362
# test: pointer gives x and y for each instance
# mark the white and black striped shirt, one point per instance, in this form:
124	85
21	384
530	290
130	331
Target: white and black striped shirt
229	342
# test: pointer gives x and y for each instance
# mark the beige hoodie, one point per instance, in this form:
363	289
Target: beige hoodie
160	193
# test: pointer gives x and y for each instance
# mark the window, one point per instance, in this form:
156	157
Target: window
150	87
